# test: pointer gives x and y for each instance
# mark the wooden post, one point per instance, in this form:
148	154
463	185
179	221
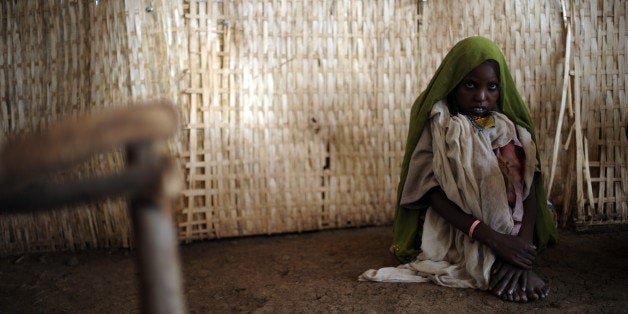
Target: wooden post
157	259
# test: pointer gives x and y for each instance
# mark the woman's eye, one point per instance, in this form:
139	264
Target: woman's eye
492	86
469	84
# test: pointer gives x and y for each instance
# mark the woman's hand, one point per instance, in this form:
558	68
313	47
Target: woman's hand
515	250
512	249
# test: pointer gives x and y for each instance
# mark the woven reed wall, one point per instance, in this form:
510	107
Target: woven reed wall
62	59
600	65
298	114
294	114
45	75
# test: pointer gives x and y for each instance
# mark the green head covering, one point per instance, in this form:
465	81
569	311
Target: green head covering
465	56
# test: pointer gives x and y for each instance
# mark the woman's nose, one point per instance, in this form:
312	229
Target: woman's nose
481	94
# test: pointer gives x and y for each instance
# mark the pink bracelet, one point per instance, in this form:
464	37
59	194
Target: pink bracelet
472	229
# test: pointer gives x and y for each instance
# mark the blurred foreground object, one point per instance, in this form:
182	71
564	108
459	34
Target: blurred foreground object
148	179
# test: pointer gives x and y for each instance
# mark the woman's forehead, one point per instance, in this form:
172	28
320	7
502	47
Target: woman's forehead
486	70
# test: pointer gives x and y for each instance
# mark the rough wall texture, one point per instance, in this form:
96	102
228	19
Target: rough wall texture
294	114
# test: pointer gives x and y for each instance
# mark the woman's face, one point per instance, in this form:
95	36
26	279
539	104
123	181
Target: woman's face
478	92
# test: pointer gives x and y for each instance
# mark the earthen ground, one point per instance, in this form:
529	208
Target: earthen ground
308	272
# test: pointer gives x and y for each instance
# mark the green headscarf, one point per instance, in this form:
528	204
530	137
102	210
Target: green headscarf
465	56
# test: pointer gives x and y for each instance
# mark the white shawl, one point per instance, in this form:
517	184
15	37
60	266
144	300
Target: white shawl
464	165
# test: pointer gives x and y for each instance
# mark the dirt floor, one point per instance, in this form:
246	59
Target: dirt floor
310	272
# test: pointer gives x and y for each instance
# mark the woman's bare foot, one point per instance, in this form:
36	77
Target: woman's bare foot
517	295
536	288
505	281
511	283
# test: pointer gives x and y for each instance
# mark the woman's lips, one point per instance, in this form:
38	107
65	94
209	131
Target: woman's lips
477	111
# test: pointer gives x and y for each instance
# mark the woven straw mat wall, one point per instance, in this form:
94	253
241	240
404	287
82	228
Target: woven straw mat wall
298	114
294	114
600	38
62	59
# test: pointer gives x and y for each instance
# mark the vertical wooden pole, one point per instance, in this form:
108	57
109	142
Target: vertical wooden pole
158	261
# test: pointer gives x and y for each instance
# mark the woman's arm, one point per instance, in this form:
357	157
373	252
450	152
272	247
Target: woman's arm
529	215
512	249
505	277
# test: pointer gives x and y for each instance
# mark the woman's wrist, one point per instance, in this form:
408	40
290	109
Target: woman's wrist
474	225
485	234
526	237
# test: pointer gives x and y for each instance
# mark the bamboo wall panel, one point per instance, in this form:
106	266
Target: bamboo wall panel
294	113
298	114
62	59
45	76
600	40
